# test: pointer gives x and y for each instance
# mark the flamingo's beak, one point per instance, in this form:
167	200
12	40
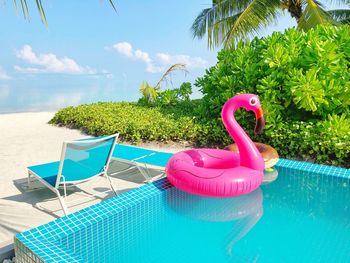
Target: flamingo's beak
260	121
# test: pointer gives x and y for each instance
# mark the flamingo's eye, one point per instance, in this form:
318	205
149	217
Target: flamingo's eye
253	101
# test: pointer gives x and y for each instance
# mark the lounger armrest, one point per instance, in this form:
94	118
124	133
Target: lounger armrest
142	157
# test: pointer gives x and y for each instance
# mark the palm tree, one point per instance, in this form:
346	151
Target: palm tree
39	5
228	21
150	93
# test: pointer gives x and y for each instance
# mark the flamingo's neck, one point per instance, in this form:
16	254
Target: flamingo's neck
249	155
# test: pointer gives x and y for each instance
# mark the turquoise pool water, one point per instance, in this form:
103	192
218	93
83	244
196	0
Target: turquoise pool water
301	217
298	218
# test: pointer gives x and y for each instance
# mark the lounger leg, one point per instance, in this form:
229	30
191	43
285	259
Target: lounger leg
29	182
114	189
63	204
65	191
143	172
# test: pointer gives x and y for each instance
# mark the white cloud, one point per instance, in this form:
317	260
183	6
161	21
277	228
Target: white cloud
49	63
124	48
4	75
191	62
139	54
28	70
161	61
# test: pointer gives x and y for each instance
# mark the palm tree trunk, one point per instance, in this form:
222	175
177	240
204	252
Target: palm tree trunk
295	9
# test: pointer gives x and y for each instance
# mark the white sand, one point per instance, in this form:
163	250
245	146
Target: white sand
26	139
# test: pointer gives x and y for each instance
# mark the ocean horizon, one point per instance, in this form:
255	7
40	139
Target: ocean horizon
50	99
15	100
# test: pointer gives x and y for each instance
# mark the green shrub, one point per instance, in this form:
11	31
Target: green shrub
171	97
297	75
301	79
133	122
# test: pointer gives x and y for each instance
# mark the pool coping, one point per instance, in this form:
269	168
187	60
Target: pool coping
40	244
320	169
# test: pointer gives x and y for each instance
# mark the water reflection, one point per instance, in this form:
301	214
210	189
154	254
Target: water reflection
243	212
270	175
215	209
53	98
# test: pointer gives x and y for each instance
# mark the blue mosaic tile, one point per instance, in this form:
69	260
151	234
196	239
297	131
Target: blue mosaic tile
313	168
48	243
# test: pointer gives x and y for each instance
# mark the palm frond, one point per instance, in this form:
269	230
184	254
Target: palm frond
113	6
148	92
41	11
340	15
25	9
171	69
199	26
228	20
313	15
220	10
39	5
217	33
257	15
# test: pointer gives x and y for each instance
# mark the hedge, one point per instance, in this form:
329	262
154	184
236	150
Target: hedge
302	79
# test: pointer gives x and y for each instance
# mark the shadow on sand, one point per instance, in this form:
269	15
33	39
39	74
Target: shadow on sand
30	207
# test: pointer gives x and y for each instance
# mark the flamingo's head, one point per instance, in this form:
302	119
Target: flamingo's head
251	102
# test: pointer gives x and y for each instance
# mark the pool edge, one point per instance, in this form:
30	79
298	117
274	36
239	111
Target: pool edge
38	247
314	168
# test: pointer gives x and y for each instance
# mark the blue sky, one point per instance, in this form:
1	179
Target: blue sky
90	53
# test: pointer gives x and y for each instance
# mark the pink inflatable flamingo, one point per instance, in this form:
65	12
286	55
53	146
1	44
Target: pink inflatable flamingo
221	173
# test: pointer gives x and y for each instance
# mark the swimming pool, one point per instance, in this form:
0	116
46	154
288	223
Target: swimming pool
304	216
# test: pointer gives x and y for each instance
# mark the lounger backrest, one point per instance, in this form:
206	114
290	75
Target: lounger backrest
86	158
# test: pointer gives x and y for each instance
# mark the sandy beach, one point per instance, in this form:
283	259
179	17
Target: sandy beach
27	139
